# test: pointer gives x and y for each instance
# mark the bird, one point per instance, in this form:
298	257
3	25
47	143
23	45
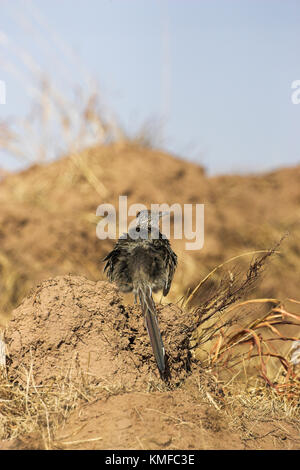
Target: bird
142	261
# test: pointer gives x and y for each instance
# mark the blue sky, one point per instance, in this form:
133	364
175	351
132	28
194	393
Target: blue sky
216	74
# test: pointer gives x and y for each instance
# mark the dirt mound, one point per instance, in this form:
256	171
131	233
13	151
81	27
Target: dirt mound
48	222
70	326
71	322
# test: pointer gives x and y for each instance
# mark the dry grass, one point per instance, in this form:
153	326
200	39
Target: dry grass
211	315
13	284
258	413
67	132
249	341
27	408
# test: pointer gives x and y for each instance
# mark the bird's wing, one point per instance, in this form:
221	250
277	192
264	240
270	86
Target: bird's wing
113	256
171	263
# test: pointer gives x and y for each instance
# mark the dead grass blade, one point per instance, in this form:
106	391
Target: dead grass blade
226	350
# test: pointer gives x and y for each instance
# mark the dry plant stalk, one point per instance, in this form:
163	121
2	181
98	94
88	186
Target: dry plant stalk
232	288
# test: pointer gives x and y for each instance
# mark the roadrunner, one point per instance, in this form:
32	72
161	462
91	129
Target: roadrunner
143	262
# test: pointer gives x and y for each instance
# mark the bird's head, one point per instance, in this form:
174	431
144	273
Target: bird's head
147	218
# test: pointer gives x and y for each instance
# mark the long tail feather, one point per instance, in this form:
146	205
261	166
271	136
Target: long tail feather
149	311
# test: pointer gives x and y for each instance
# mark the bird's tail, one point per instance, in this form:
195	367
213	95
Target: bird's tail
149	311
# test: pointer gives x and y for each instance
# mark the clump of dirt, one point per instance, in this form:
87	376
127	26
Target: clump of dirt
71	322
